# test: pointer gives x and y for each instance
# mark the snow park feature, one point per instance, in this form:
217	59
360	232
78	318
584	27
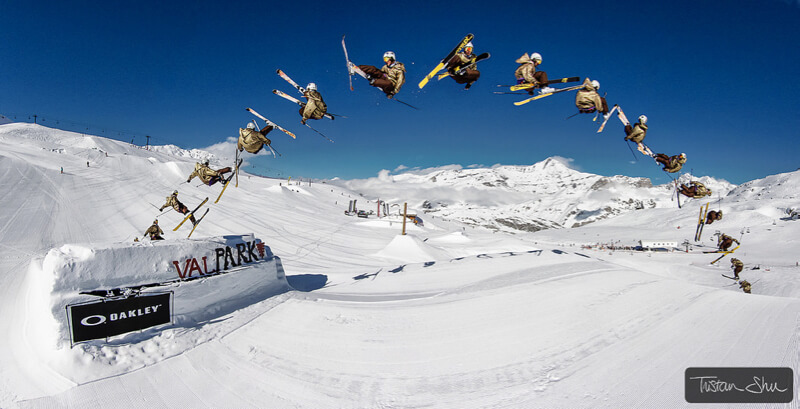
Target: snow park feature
206	278
471	309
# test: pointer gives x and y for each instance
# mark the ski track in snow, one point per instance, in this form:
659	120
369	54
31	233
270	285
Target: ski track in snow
446	316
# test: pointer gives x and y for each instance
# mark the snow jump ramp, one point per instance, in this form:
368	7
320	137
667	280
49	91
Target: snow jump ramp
81	293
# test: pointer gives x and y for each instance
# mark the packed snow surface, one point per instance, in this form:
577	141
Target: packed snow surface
448	315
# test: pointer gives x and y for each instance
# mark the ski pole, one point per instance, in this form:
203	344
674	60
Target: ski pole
632	153
572	115
405	103
273	150
323	135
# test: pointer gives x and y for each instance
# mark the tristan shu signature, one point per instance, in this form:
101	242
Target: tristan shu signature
712	384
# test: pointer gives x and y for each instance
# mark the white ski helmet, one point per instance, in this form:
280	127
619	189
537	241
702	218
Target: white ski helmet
683	155
311	86
468	45
536	57
251	125
642	119
596	84
390	55
175	193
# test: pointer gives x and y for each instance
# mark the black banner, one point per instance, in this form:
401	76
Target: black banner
739	385
114	317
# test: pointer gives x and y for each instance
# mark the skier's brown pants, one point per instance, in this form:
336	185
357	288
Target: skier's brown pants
378	79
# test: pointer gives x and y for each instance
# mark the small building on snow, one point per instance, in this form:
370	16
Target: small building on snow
658	244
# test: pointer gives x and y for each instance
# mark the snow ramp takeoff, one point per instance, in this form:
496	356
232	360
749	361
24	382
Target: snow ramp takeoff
82	293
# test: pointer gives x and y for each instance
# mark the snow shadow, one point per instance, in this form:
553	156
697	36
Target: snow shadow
307	282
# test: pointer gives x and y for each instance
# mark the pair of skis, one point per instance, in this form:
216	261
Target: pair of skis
540	96
724	253
701	222
443	63
228	180
457	69
353	69
273	124
527	85
189	215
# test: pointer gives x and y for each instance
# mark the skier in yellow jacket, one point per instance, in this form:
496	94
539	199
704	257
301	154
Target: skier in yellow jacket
206	174
389	78
251	139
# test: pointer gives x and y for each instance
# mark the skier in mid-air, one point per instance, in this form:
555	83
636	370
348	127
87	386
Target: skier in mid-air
725	242
251	139
671	164
172	201
154	231
461	67
315	107
637	132
695	190
713	215
389	78
206	174
737	267
527	73
589	101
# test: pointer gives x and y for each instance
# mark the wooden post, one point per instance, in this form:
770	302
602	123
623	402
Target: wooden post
405	209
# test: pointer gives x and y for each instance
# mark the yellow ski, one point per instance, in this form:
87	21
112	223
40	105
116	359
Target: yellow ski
444	61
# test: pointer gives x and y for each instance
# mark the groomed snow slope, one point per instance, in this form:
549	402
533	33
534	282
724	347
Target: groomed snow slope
447	316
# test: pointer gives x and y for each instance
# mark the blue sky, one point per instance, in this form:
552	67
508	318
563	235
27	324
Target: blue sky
718	80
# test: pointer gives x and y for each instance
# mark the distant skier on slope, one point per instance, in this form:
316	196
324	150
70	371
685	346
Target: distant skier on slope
696	190
745	286
389	78
527	73
671	164
589	101
468	72
315	108
637	132
713	215
253	140
725	242
206	174
737	267
172	201
154	231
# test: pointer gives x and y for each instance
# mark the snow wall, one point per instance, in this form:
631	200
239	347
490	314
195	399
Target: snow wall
208	278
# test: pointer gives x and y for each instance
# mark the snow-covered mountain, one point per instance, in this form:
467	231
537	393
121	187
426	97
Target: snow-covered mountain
447	315
548	194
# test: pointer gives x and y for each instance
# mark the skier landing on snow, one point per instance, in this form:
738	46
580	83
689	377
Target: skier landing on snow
737	267
206	174
154	231
315	108
389	78
172	201
251	139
